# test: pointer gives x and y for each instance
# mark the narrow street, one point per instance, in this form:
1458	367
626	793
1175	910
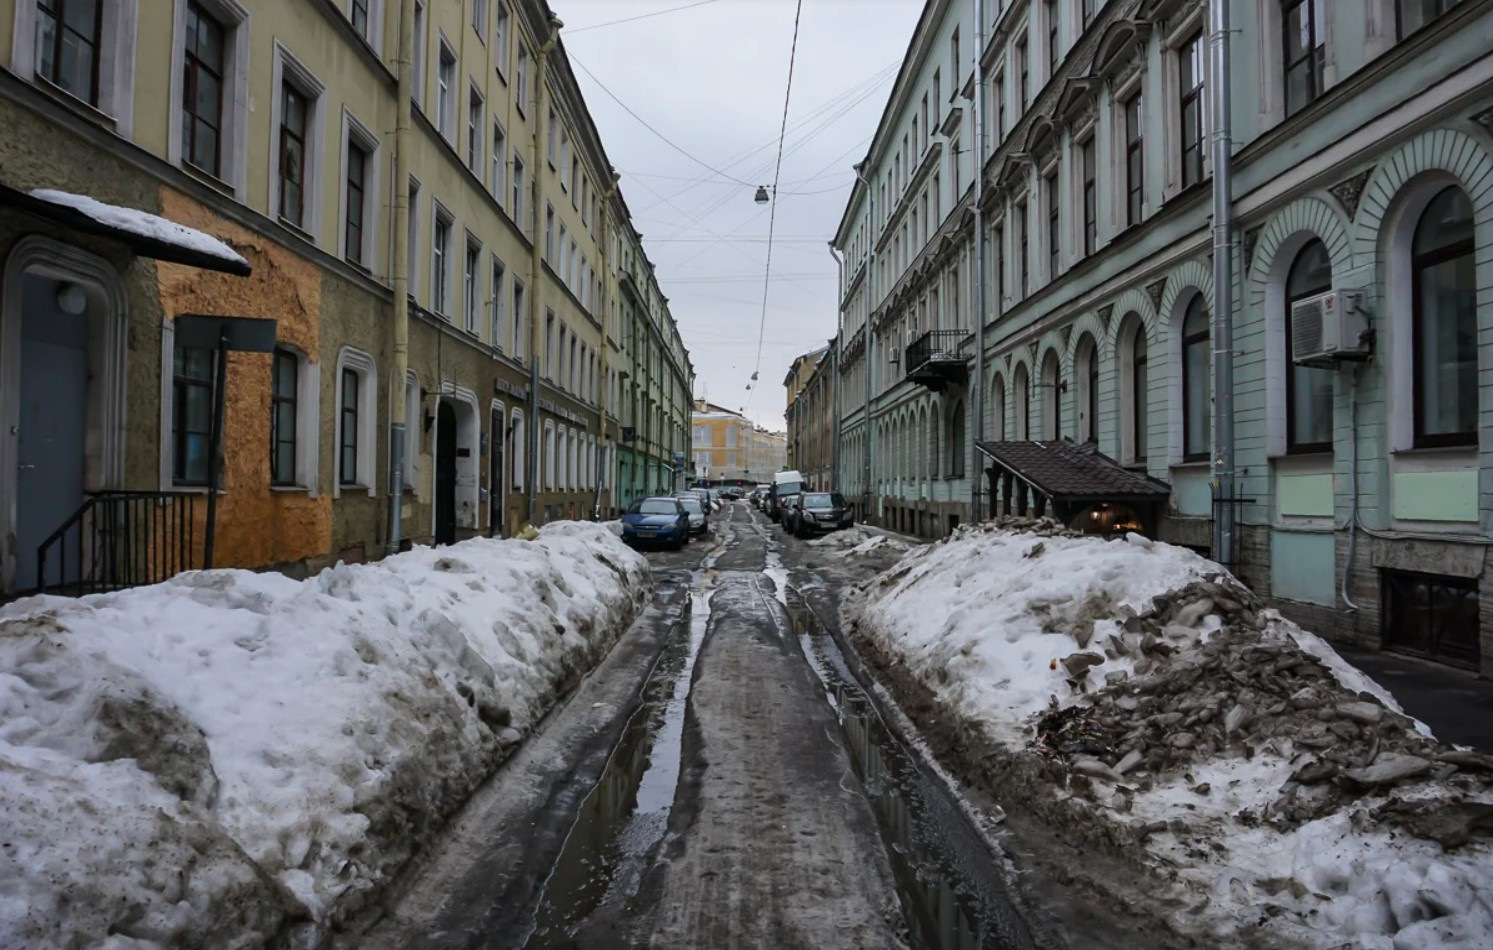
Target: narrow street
721	780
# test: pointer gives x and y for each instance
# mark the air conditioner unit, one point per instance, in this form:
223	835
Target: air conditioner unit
896	355
1329	327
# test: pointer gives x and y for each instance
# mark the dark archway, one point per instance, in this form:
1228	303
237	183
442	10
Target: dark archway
445	473
497	495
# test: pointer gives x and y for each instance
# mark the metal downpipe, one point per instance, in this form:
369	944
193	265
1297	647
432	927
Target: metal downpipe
1224	528
400	278
982	307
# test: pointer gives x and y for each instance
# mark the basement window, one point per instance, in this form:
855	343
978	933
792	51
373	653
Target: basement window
1430	614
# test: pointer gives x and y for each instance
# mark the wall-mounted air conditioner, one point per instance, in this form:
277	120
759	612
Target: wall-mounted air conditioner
895	355
1329	327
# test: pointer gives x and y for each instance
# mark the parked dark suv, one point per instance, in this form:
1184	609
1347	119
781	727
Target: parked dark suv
817	511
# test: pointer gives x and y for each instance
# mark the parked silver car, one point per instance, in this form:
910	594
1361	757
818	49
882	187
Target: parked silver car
699	522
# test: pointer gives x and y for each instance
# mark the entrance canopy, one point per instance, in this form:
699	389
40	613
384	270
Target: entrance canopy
148	235
1027	477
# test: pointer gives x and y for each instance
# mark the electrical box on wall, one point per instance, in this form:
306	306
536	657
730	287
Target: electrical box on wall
1329	328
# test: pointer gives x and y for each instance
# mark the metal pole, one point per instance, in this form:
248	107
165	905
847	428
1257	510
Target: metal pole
1223	286
536	271
399	276
977	430
215	440
867	488
834	445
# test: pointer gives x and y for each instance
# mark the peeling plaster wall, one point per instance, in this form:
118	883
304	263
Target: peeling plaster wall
257	527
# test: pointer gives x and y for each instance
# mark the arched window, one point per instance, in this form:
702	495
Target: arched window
1023	404
998	409
1308	390
1197	426
1052	399
956	442
1444	282
1088	381
1140	389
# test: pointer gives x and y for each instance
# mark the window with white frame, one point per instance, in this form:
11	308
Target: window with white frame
1135	160
479	18
293	419
575	177
586	200
499	181
358	208
1023	75
1135	388
1191	73
497	300
440	261
549	455
82	47
502	39
1443	276
357	415
1023	257
549	344
359	13
520	450
412	262
471	285
1308	389
518	349
209	129
521	80
549	234
419	55
1089	195
564	160
1054	42
475	129
518	195
445	93
297	118
1023	403
1054	231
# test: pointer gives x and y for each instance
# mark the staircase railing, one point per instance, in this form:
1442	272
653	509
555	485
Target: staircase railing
120	539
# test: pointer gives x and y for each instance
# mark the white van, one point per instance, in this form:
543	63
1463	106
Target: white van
784	484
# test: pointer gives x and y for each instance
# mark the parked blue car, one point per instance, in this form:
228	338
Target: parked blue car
656	521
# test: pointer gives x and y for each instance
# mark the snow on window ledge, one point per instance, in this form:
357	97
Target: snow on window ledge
142	223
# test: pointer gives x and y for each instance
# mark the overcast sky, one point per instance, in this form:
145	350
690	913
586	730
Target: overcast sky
710	79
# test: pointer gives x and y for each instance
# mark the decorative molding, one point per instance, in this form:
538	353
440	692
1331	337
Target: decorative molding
1350	190
1251	237
1154	291
1065	334
1105	312
1485	119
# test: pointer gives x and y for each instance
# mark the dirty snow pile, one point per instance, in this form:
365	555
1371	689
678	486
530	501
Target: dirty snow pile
231	758
1283	792
858	541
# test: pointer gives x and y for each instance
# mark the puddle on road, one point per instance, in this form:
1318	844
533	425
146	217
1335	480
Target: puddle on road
949	883
626	814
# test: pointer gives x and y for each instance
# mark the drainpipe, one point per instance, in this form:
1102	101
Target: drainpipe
977	483
399	273
834	442
1223	285
868	487
604	226
536	270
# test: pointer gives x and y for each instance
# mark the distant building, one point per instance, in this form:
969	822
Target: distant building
811	418
728	447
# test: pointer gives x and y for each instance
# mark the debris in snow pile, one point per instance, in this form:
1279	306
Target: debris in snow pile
232	758
1137	694
857	541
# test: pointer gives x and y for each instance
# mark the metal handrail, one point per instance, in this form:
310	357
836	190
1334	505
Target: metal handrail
936	346
119	539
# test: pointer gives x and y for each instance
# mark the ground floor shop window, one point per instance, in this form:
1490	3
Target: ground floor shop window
1431	614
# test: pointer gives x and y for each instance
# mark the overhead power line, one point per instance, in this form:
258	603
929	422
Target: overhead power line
773	217
640	16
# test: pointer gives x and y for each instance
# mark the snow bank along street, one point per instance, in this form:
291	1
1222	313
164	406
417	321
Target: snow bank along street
230	757
1132	696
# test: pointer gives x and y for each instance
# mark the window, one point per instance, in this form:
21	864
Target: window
357	12
479	18
445	93
1023	257
998	248
471	285
1023	404
293	116
954	168
520	447
347	444
284	373
474	131
575	176
518	192
1052	398
549	455
519	320
954	61
1191	72
411	263
497	298
1023	77
956	442
1304	52
499	164
1411	15
202	92
1135	161
1432	615
191	414
549	343
440	264
585	201
923	141
502	40
549	234
67	45
1086	10
565	163
1308	390
1054	47
937	95
1054	233
419	63
1197	422
355	203
1090	198
521	80
1140	388
1444	284
998	93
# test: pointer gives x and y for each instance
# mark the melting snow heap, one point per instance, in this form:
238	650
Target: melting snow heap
1136	692
231	758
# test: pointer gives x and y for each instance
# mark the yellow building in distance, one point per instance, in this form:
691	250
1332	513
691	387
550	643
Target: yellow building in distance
728	448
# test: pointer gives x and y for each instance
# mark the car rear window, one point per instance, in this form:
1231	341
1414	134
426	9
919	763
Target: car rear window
817	500
655	506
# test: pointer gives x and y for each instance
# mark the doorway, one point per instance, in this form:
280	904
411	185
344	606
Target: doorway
497	497
445	473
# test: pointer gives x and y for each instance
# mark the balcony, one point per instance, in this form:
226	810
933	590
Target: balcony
937	358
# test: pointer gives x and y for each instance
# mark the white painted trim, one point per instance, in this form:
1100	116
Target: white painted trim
307	422
356	132
367	371
468	469
118	31
288	69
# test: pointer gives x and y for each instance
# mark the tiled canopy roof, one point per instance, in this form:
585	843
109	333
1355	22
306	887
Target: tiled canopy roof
1062	470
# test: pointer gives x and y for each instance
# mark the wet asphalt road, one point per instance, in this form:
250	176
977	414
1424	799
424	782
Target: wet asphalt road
702	789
